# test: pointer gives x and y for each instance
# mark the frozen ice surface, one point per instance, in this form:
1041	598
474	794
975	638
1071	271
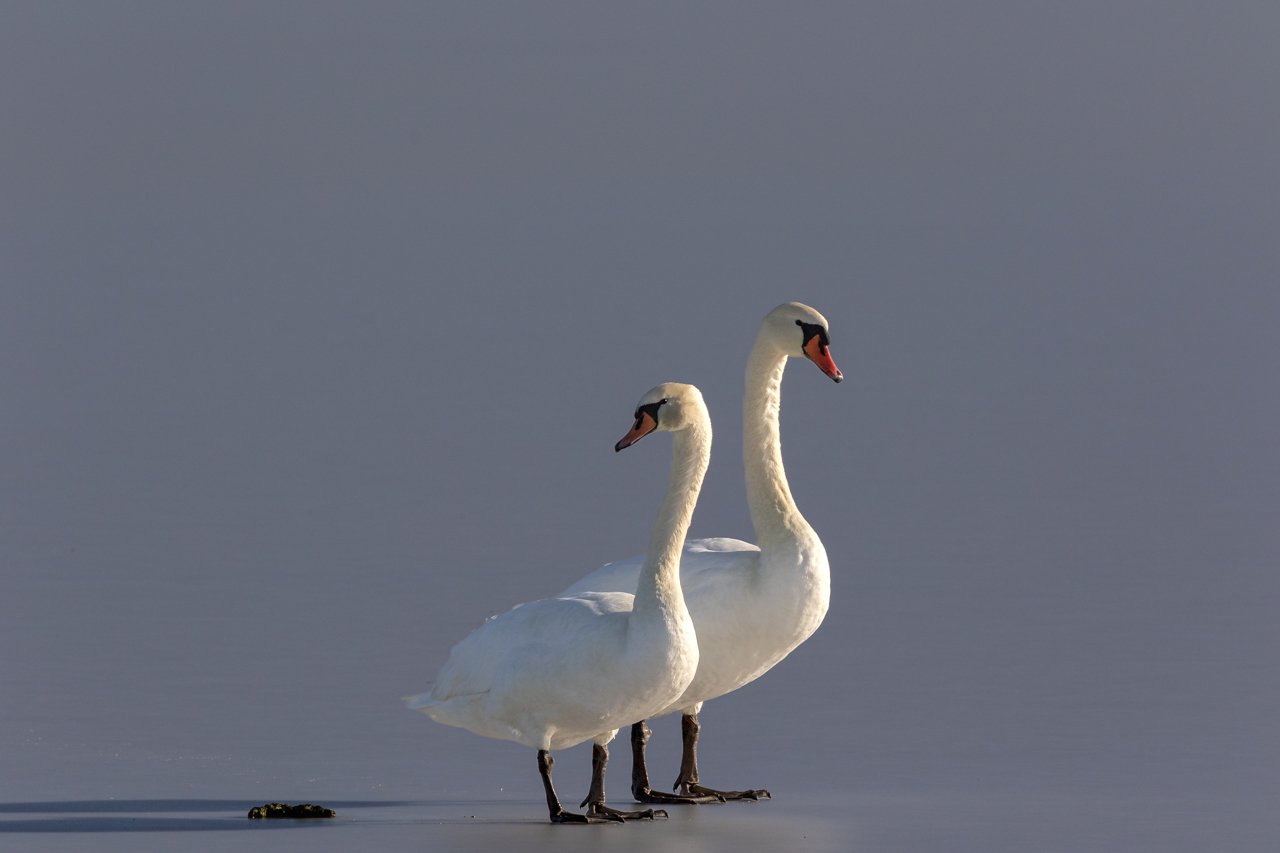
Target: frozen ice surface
954	726
847	821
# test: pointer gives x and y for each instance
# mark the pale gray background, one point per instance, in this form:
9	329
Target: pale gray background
320	321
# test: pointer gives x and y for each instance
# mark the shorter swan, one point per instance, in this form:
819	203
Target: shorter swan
551	674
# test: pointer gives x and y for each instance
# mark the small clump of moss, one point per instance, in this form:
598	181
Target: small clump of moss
276	810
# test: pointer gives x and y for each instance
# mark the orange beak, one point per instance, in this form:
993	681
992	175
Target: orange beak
645	424
821	356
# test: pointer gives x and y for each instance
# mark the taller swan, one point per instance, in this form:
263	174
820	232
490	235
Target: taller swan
751	605
551	674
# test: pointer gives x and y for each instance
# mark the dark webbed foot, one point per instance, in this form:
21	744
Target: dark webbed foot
648	795
563	816
687	782
640	776
603	811
699	791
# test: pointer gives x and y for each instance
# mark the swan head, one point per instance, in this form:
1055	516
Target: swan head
669	407
801	332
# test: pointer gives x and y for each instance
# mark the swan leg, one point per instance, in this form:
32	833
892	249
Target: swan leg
558	814
687	782
640	776
595	799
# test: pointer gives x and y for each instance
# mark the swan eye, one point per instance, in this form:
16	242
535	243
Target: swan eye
651	410
809	330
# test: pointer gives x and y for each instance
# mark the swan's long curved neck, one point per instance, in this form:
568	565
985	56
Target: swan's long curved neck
774	514
659	588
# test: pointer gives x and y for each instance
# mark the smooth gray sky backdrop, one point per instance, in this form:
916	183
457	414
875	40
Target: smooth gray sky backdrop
318	322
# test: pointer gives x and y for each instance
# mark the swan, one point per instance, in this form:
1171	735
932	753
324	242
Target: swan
751	605
553	673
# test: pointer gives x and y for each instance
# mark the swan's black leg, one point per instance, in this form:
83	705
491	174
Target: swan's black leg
687	783
640	775
595	799
558	814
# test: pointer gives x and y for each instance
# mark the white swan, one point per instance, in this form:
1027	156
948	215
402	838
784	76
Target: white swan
750	605
551	674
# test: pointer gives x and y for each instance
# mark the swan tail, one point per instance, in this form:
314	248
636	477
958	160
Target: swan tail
421	702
